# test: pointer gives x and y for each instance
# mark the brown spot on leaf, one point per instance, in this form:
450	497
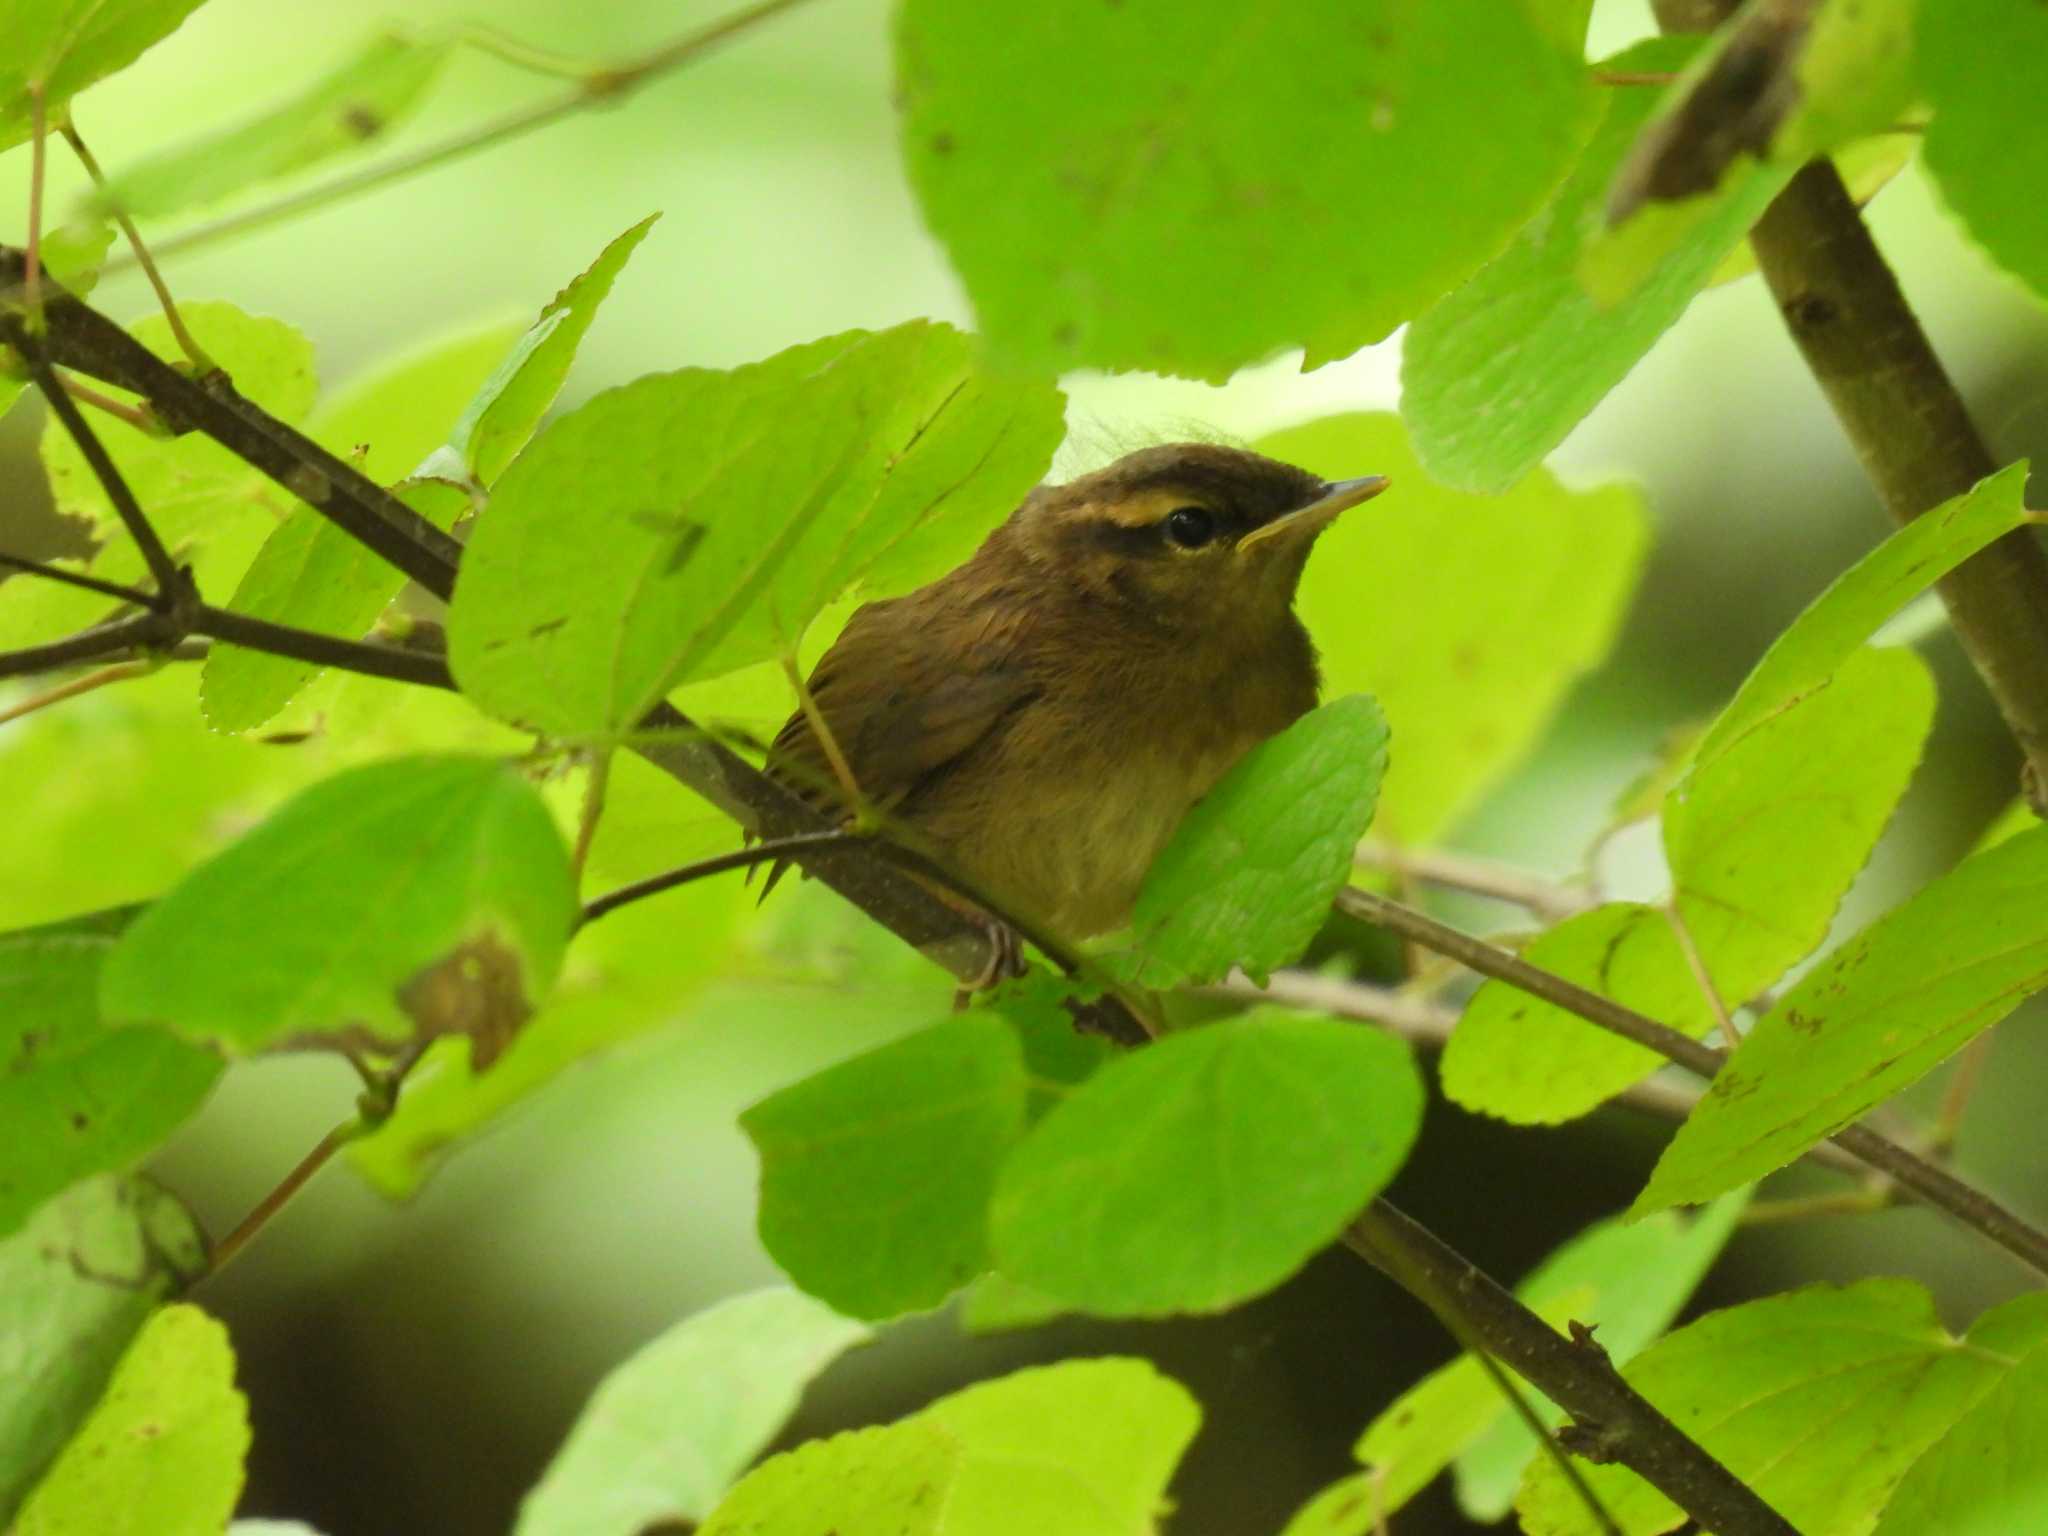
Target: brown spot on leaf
360	121
942	144
476	989
1735	108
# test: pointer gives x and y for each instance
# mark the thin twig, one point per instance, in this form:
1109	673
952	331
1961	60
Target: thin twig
186	342
76	579
170	585
385	661
224	1251
140	417
118	673
598	86
1848	1202
38	132
1429	1025
1962	1087
1972	1207
764	852
1696	963
593	809
1475	876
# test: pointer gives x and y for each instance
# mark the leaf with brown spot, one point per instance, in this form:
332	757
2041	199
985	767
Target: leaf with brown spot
388	904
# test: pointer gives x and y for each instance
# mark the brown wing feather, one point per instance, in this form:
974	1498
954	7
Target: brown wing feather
900	707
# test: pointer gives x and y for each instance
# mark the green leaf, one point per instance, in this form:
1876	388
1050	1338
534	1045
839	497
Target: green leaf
1084	1447
79	1279
1206	1168
1849	612
2016	818
351	106
1980	63
68	44
503	413
632	973
693	522
1192	188
1248	878
669	1431
211	509
311	574
161	1455
1763	841
1467	617
1879	1013
406	899
891	1481
77	1098
1819	1399
876	1173
1988	1476
1494	377
1628	1279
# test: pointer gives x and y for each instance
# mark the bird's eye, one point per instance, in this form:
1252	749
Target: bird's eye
1190	527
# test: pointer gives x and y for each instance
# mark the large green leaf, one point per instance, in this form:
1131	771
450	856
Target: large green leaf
65	45
1494	377
77	1098
353	104
1988	1476
1467	617
1248	878
407	899
1818	1399
311	574
876	1173
1980	61
161	1454
1882	1011
1763	840
79	1279
1083	1448
1193	187
693	522
669	1431
1207	1167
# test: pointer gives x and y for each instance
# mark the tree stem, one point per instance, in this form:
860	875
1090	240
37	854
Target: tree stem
1911	431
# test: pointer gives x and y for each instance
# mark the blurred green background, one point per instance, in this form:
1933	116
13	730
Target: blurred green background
411	1367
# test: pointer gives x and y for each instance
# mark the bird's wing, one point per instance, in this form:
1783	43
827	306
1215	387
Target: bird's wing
901	709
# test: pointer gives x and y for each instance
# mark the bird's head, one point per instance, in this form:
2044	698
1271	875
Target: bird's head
1187	533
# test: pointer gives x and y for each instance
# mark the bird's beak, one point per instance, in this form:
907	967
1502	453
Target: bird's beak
1306	522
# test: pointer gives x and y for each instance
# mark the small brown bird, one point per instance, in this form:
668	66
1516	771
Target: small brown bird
1042	717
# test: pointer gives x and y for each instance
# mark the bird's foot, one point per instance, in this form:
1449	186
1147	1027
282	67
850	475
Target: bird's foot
1005	962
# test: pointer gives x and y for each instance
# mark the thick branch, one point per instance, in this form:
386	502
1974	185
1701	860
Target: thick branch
1972	1207
1615	1422
1910	429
